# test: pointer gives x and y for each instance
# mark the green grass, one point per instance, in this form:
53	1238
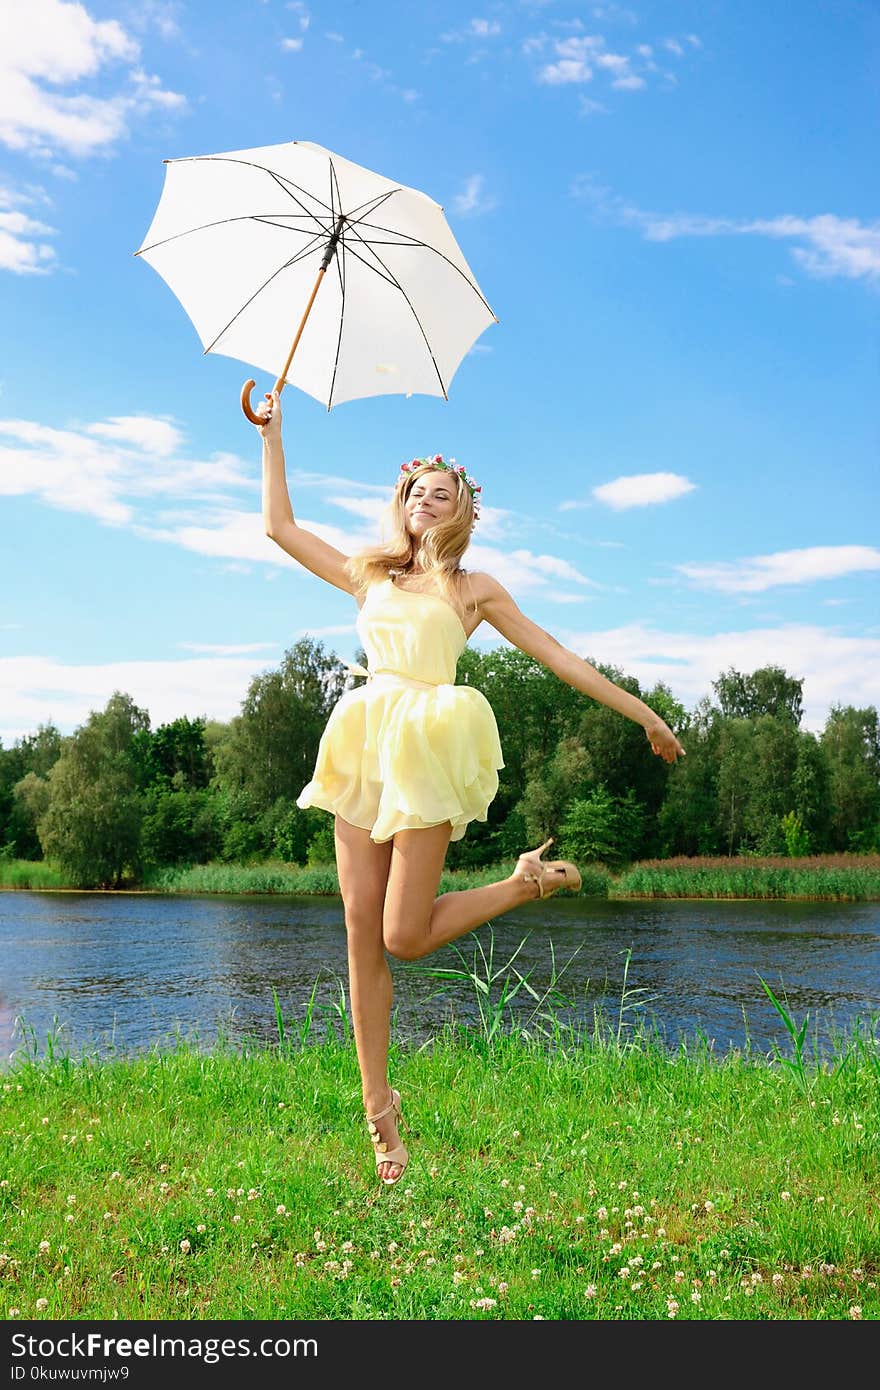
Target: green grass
832	878
554	1173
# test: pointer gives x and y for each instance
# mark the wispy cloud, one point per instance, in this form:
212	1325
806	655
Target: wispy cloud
526	574
473	199
579	58
474	29
110	468
48	45
757	573
227	649
827	245
641	490
835	668
23	246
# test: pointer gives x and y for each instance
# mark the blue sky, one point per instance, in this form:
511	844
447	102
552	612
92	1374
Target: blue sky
671	208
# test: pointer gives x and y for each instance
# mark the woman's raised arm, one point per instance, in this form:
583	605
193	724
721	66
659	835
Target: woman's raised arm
308	549
499	609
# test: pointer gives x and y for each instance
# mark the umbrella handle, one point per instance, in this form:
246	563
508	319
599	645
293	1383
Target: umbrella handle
246	406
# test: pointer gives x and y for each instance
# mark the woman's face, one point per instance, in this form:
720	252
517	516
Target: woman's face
432	498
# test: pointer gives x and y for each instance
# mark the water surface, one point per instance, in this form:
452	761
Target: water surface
125	972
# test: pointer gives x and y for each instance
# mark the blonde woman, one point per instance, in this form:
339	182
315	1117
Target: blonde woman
408	759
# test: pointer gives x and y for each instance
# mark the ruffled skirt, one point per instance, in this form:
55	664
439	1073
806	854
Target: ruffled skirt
394	757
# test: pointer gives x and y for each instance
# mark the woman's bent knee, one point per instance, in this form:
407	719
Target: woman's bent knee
404	943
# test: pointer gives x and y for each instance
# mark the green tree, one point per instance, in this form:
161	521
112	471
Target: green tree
175	755
797	840
92	825
851	743
33	753
773	757
602	827
268	751
811	792
769	690
30	801
688	819
734	766
180	827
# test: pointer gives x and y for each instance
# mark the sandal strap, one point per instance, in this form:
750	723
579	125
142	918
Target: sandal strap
393	1104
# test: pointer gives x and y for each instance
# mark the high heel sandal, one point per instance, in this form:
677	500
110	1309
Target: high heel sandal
531	869
397	1155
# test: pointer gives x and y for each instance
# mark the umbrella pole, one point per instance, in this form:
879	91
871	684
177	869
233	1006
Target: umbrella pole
248	387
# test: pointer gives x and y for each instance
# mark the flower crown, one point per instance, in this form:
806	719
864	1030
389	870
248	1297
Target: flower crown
449	466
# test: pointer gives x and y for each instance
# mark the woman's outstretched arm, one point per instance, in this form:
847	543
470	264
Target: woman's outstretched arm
499	609
315	554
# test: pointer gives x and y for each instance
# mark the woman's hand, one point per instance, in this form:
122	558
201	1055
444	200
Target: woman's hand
269	411
663	741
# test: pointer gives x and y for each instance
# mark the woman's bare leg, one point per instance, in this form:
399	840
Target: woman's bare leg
415	920
363	866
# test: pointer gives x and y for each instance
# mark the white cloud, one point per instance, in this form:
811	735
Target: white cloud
149	433
370	508
23	249
472	200
37	690
835	669
102	469
48	44
524	573
292	45
828	245
484	28
549	564
642	490
566	70
224	649
760	572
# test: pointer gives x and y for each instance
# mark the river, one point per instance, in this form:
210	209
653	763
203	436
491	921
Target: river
111	974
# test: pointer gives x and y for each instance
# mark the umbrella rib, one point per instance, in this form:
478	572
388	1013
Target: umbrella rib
340	271
366	264
394	281
264	217
426	246
251	164
298	257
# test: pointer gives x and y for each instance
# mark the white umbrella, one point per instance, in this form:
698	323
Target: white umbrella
244	240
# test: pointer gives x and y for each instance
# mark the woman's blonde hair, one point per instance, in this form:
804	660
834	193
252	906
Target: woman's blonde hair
441	547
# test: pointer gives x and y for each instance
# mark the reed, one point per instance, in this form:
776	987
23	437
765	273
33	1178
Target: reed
839	878
30	873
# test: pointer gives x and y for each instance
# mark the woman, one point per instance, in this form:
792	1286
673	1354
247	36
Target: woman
409	758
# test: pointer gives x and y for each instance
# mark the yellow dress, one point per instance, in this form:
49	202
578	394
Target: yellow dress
409	748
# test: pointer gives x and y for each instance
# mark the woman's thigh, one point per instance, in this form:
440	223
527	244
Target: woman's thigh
413	879
362	867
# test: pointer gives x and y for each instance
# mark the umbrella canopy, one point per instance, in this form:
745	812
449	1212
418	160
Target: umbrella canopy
243	240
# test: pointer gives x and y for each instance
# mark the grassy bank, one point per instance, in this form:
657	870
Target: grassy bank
591	1175
834	878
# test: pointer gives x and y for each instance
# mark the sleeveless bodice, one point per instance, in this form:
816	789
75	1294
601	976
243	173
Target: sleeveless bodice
410	633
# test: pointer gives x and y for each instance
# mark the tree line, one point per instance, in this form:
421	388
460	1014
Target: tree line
116	798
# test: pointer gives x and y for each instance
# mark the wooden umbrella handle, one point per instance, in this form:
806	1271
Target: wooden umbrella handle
248	387
246	406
